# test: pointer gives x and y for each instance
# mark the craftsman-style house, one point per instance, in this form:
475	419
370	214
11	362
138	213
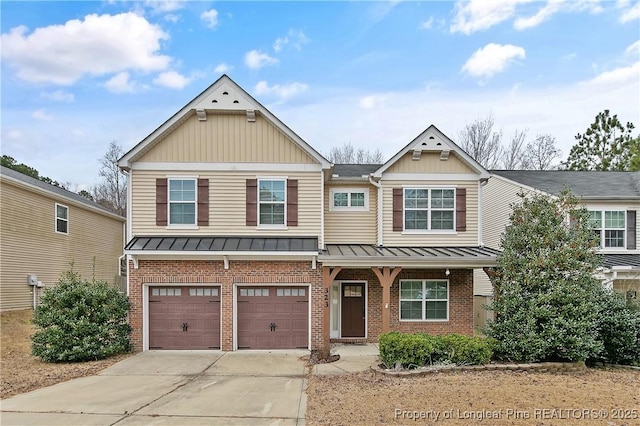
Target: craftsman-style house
241	235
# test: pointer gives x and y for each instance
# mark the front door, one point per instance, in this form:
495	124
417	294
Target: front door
353	310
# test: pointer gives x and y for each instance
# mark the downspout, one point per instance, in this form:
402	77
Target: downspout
321	246
128	223
481	183
379	186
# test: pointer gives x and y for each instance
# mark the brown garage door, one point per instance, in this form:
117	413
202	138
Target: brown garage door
273	317
184	318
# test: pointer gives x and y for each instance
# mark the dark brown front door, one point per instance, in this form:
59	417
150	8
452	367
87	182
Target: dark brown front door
184	318
273	317
353	310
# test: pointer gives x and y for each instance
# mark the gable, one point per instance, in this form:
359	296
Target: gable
227	137
430	162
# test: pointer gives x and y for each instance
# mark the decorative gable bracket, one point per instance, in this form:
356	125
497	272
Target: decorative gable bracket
431	143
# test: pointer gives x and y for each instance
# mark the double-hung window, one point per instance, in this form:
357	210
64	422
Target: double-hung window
350	199
609	227
182	202
62	219
271	201
429	209
424	300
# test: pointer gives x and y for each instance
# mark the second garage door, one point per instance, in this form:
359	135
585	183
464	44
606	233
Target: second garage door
273	317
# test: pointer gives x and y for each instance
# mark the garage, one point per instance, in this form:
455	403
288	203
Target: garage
273	317
184	318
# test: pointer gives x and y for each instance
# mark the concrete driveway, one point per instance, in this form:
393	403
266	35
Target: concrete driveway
174	388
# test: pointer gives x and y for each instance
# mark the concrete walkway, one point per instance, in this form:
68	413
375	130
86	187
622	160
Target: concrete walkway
185	388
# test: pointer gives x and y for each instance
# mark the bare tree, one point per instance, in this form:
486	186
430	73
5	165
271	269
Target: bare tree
111	192
347	154
541	153
513	155
483	144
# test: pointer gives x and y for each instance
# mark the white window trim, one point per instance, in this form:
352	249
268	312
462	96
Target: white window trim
349	207
602	210
268	226
429	231
55	220
400	300
195	202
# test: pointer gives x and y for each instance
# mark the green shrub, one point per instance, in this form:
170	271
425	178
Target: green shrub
79	320
618	326
420	349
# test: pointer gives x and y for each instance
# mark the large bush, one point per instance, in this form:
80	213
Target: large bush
78	320
546	291
420	349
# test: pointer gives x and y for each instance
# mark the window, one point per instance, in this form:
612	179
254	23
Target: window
182	201
62	219
251	292
271	200
609	227
349	199
297	292
429	209
166	292
424	300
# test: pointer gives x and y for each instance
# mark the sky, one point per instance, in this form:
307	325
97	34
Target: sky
77	75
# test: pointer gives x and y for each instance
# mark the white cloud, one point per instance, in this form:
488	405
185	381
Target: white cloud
120	83
477	15
631	14
172	17
210	17
165	6
371	101
14	134
222	68
633	49
492	59
172	80
97	45
552	7
295	38
256	59
618	76
428	24
41	114
284	91
58	96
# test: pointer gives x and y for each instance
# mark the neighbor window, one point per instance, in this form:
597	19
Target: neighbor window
429	209
182	201
349	199
271	200
609	227
424	300
62	219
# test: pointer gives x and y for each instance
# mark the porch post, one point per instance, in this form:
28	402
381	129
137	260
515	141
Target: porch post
386	277
328	276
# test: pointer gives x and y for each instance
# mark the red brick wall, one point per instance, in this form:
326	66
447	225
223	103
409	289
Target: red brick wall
460	301
213	272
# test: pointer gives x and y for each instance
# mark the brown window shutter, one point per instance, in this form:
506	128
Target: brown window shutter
161	202
203	202
631	230
292	202
252	202
461	209
398	209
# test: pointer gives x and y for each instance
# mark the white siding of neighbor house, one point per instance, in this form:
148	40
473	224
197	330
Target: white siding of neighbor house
355	227
227	203
30	245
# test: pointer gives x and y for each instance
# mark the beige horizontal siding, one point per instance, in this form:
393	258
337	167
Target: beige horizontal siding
481	284
30	245
464	238
357	227
429	162
227	204
498	196
227	138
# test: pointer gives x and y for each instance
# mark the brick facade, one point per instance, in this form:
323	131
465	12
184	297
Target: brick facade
184	272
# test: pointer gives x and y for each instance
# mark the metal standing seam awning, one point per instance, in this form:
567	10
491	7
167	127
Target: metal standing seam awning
365	256
621	267
222	248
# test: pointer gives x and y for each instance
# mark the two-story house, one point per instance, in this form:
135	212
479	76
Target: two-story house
612	199
46	230
241	235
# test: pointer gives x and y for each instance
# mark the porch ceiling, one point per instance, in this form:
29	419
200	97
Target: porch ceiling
365	255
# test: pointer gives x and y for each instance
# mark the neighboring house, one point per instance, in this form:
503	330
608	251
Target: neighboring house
45	229
241	235
612	198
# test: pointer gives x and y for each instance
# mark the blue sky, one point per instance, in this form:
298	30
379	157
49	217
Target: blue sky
77	75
